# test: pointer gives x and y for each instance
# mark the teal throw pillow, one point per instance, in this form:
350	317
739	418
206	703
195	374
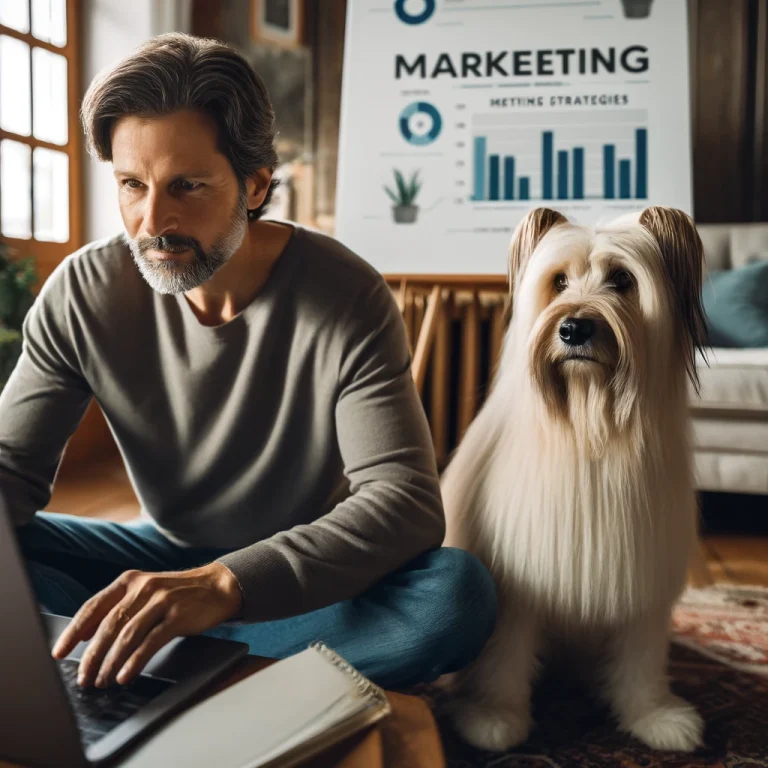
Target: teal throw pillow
736	305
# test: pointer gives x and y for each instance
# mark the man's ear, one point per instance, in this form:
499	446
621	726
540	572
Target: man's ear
526	237
683	256
256	188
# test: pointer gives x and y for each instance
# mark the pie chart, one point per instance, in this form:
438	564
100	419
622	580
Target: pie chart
420	123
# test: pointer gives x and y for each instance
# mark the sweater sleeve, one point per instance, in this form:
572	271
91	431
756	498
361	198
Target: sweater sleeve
394	511
42	403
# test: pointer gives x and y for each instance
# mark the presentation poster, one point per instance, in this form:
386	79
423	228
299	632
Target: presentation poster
459	116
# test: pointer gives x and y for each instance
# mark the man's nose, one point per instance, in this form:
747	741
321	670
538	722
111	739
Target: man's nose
160	214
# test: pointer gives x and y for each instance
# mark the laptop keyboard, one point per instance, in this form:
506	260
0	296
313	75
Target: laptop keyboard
99	710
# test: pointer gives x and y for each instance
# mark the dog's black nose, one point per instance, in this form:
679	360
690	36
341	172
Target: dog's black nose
574	331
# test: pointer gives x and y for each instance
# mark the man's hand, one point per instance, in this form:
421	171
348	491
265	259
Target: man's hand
136	615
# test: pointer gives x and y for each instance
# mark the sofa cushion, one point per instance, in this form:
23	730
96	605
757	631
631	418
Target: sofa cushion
727	432
736	305
734	379
729	246
734	472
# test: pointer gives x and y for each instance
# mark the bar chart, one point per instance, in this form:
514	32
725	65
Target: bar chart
560	156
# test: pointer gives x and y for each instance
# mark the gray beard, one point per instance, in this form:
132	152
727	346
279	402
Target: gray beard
172	277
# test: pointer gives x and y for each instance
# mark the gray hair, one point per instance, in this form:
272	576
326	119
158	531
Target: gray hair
177	71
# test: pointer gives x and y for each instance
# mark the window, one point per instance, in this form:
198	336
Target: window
40	187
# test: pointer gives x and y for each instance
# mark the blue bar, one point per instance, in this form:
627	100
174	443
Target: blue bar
547	144
562	175
641	158
479	193
609	171
493	180
525	190
625	172
578	173
509	178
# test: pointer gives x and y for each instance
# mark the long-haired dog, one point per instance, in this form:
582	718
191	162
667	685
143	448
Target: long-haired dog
574	483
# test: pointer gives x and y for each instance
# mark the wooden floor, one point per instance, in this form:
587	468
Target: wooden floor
105	491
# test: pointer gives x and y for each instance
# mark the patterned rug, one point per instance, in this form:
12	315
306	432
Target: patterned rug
719	662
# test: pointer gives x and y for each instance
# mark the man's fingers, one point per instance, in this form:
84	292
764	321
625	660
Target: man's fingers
86	621
158	637
128	640
137	592
97	649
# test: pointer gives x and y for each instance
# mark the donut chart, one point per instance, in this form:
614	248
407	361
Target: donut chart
420	123
418	18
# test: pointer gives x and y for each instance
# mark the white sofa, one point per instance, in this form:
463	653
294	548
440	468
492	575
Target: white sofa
730	417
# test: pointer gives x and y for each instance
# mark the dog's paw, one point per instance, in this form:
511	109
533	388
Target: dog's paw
491	728
675	725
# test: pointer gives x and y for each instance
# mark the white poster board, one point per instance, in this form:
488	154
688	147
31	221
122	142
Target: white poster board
488	108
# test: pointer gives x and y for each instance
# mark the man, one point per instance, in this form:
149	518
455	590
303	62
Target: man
256	378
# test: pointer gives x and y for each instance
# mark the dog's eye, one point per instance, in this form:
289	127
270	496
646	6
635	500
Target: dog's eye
621	280
561	282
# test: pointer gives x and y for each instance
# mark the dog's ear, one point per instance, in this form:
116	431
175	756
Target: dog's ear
526	237
683	257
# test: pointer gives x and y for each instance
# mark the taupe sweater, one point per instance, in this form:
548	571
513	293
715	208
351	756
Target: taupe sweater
292	433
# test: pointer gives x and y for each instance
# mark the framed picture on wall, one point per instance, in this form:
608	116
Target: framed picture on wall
277	22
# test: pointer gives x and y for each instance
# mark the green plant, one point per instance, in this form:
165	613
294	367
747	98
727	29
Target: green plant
406	191
17	276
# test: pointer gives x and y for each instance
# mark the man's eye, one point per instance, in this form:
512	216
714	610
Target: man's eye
131	183
188	186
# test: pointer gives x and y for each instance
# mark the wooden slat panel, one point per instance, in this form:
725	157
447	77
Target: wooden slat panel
425	337
408	311
419	310
457	282
439	412
497	336
470	365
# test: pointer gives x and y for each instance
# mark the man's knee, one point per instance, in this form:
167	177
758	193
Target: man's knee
56	592
46	532
458	612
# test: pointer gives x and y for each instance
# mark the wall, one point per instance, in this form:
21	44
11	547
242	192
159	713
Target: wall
728	86
110	30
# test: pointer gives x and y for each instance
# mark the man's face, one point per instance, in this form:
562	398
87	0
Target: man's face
183	210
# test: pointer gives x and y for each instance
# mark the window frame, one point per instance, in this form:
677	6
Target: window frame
47	254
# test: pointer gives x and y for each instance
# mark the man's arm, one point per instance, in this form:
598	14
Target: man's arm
395	509
42	403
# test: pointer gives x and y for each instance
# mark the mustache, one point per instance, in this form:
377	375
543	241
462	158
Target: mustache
168	244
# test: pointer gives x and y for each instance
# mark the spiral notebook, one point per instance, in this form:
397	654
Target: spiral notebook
280	716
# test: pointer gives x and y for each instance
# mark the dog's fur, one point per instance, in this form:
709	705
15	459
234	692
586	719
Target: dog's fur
574	483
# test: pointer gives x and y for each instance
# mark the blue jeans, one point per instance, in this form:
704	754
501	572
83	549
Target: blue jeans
430	617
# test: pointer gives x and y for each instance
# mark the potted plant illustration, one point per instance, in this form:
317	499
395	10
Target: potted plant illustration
16	280
404	211
637	9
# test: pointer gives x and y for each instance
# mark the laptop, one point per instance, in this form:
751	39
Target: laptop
46	719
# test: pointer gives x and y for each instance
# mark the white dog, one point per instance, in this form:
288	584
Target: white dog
574	483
